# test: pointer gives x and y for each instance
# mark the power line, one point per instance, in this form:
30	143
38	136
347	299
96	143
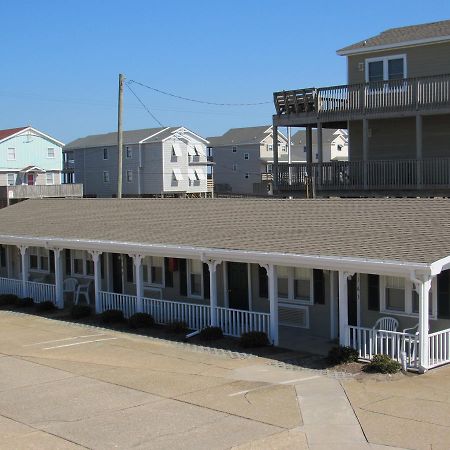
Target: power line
196	100
144	106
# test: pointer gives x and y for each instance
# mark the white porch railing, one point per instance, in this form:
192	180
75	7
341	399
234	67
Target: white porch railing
163	311
369	342
41	292
11	286
125	303
234	322
439	348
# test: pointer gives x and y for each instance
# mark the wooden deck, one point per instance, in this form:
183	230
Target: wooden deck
363	100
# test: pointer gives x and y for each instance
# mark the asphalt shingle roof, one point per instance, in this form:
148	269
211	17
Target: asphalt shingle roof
240	136
412	230
403	34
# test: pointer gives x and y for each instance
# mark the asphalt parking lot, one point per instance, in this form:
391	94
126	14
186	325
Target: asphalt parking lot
65	386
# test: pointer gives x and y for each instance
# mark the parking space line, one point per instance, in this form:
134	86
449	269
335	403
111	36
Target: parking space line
64	339
79	343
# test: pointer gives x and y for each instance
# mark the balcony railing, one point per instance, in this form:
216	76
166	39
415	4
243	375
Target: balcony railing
39	191
405	174
347	101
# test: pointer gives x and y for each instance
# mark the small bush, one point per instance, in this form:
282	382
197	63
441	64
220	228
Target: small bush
8	299
211	333
141	320
178	327
80	311
342	355
46	306
24	302
254	339
383	364
112	316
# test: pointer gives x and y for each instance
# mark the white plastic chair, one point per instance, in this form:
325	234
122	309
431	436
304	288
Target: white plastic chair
412	330
70	286
83	289
386	324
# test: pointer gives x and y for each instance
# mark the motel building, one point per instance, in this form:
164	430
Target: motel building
369	273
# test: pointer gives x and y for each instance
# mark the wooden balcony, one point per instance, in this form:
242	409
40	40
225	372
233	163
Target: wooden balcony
382	176
40	191
373	100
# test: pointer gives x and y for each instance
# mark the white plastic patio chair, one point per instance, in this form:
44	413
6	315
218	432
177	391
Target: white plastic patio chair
412	330
70	286
386	324
83	289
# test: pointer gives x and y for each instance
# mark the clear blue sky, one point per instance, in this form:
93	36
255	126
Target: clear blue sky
61	59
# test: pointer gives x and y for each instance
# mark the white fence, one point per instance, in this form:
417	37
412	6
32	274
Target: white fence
41	292
369	342
234	322
439	348
163	311
11	286
126	303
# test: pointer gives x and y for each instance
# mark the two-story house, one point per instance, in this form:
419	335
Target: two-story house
241	156
156	161
31	166
396	107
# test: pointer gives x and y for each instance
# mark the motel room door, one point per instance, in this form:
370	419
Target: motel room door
237	285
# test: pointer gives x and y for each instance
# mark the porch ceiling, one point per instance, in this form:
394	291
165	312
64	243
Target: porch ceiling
415	231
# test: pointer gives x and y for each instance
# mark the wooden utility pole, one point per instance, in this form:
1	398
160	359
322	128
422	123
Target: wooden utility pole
120	137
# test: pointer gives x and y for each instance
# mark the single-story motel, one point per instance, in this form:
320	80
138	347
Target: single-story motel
296	269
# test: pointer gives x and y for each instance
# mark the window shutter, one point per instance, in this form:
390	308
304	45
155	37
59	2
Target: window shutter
443	294
319	286
373	292
206	290
68	266
263	283
168	272
183	277
129	264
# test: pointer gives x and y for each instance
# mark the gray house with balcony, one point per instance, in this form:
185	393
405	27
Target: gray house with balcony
396	107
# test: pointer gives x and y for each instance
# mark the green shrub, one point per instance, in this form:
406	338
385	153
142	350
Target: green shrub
211	333
177	327
46	306
112	316
254	339
24	302
80	311
8	299
141	320
383	364
342	355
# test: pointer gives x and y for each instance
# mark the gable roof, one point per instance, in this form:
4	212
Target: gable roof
10	132
402	36
403	232
241	136
7	134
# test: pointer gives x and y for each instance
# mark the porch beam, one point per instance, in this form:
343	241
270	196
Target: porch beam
343	308
365	149
137	260
419	148
275	159
25	269
212	267
59	278
271	270
97	279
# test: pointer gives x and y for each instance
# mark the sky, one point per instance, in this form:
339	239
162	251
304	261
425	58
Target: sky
61	59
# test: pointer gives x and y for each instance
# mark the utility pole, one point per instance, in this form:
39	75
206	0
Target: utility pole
120	136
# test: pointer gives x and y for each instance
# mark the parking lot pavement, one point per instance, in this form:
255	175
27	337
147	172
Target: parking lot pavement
67	386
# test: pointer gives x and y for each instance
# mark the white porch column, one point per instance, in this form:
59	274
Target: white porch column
137	260
212	266
59	278
25	268
97	278
423	289
343	308
271	270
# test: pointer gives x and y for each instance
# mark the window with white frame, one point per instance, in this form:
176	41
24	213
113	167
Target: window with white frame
49	178
50	152
269	147
105	176
269	168
39	259
295	284
386	68
398	296
129	176
11	154
246	156
128	152
11	179
82	263
153	270
195	278
105	153
176	152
